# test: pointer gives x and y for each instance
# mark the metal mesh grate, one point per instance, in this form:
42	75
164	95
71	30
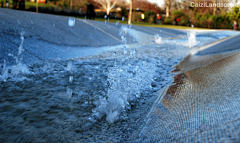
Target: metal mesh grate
202	105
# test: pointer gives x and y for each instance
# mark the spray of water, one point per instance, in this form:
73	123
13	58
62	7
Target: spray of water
126	82
117	23
123	33
4	72
192	42
71	21
192	39
158	39
17	69
70	69
20	49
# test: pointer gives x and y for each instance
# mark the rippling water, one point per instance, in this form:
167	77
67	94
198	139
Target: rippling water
41	104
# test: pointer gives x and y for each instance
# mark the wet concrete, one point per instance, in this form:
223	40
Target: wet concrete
54	29
201	105
224	45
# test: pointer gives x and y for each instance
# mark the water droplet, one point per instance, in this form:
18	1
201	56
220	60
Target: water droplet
158	39
31	22
69	92
70	79
117	23
123	18
124	50
105	16
53	24
71	21
80	10
69	66
133	53
130	25
18	22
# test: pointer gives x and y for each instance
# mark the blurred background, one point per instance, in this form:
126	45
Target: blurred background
167	12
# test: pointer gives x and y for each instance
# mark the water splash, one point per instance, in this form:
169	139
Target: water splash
123	18
71	21
192	42
4	72
126	82
70	65
117	23
18	22
130	25
19	68
133	53
123	33
70	79
70	69
158	39
69	92
192	39
20	49
124	50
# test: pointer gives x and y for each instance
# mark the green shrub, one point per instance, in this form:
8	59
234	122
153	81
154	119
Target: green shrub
178	14
136	17
150	17
167	20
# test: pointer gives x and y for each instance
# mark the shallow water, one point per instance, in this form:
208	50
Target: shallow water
41	103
